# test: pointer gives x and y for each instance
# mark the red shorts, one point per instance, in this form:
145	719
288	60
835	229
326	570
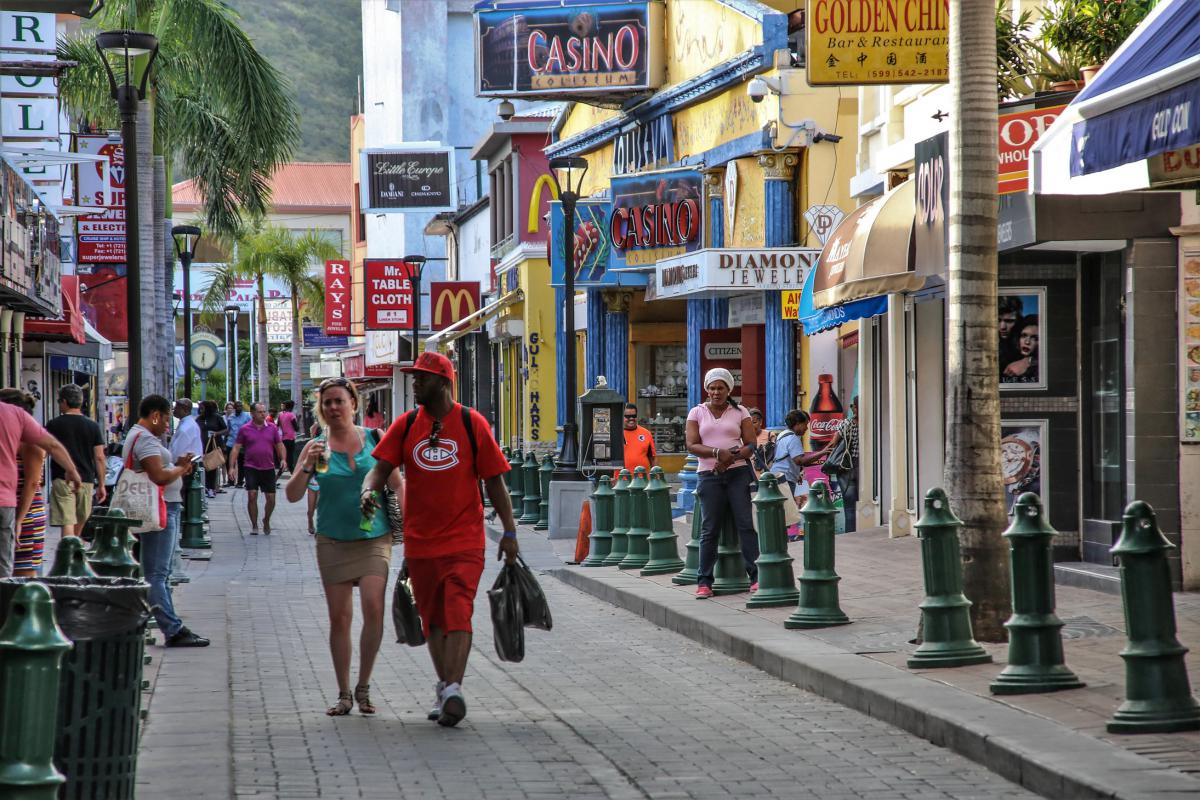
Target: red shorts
444	589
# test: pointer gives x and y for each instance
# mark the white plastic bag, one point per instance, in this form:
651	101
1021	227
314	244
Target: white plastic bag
140	498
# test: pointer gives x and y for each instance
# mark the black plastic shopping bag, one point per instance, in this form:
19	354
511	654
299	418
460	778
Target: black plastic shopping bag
508	617
533	599
405	616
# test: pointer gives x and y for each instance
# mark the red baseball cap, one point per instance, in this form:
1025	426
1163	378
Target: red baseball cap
433	363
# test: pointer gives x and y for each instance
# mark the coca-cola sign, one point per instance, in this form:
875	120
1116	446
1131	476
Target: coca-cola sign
408	178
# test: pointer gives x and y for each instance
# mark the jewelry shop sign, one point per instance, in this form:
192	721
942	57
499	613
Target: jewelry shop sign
857	42
409	177
714	272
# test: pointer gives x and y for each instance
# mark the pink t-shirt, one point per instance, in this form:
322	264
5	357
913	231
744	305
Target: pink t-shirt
724	432
259	444
16	427
287	425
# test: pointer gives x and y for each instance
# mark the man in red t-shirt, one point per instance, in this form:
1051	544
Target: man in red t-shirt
443	516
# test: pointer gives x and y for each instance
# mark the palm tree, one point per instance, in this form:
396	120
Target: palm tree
214	107
972	381
267	250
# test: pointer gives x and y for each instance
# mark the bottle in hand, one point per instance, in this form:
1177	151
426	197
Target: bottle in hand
322	465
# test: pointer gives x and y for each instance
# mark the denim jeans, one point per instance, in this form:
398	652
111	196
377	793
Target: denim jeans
848	484
174	527
722	494
156	564
8	540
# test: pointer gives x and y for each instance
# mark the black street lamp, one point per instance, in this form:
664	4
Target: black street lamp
416	265
231	352
568	172
125	47
186	238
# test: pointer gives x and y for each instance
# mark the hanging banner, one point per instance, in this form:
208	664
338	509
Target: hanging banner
932	234
387	295
856	42
337	298
101	236
408	177
592	247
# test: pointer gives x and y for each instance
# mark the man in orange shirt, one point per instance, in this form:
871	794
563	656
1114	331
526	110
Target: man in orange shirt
639	443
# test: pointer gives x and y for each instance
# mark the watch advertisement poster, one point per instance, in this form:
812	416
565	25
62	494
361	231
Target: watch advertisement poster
1022	459
1189	320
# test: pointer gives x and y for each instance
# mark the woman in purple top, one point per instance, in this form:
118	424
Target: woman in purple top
720	433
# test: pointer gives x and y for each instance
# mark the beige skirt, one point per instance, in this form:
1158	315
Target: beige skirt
341	562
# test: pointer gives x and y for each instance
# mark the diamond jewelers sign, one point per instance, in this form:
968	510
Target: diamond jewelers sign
857	42
409	177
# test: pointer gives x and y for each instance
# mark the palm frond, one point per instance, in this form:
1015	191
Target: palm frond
84	88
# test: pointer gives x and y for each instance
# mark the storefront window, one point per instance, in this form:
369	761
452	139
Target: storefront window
662	394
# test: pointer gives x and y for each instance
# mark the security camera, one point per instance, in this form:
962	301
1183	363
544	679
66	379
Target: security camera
758	90
506	110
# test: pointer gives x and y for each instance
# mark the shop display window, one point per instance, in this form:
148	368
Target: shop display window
662	394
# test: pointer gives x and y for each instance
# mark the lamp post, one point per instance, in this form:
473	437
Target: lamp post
568	172
231	314
416	265
125	47
186	238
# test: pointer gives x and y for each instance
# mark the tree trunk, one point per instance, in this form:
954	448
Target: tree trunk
297	341
972	381
264	382
149	267
165	274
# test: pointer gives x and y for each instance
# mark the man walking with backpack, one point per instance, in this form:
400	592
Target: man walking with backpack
445	449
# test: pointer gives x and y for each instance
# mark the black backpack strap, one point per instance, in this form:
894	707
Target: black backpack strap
409	419
466	416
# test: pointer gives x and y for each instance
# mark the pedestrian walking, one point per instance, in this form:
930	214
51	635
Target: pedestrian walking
288	429
259	445
764	441
213	430
373	418
84	440
353	548
848	480
17	429
445	449
235	464
31	503
721	435
145	452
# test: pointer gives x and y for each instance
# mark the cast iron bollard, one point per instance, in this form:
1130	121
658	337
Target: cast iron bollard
945	611
70	561
114	546
191	520
1158	697
532	485
544	474
31	651
819	605
637	545
1035	649
600	539
691	562
620	541
688	477
729	573
662	545
776	581
516	482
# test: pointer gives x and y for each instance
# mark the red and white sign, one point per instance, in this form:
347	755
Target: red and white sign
387	295
337	298
451	302
101	236
1019	131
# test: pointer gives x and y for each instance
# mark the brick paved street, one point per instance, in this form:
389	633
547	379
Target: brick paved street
607	705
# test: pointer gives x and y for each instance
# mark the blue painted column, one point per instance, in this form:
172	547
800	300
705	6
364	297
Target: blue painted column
560	360
594	347
711	313
780	215
616	340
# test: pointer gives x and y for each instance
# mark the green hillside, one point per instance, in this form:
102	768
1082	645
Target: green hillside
318	48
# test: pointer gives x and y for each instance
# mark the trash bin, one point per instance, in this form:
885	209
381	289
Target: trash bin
99	694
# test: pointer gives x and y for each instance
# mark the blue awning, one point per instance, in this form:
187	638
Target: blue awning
1146	100
815	320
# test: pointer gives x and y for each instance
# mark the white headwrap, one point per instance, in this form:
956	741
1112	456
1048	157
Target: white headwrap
718	374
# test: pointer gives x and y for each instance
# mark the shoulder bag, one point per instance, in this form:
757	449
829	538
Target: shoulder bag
214	457
139	497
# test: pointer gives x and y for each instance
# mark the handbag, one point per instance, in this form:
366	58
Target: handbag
839	459
405	615
139	497
214	457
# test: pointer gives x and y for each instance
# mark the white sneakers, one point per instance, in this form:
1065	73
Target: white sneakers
436	711
454	706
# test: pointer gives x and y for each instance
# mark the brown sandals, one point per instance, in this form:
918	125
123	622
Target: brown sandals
362	696
343	706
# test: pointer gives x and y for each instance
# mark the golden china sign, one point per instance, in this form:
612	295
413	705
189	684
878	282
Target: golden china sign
855	42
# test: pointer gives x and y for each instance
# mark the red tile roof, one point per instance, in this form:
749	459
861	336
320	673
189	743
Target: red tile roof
302	186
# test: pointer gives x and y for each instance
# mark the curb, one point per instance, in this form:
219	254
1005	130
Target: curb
1029	750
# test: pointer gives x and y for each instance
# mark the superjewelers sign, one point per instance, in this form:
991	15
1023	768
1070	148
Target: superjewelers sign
595	48
387	295
418	177
654	216
855	42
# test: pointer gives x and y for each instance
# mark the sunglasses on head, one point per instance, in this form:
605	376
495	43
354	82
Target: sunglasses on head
433	433
328	382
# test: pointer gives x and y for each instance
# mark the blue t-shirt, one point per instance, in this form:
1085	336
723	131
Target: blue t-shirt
787	447
235	424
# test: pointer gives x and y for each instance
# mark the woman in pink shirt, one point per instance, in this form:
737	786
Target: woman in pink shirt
721	435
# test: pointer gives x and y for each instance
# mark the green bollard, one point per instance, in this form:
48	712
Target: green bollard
1035	649
531	482
31	652
516	482
600	540
819	605
1158	697
544	473
70	560
945	611
776	581
620	541
191	522
114	546
198	479
637	544
663	546
691	563
729	573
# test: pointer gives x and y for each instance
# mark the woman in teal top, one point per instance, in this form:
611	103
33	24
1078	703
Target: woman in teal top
347	555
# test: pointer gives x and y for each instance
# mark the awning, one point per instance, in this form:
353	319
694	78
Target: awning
1144	104
815	320
871	252
442	339
68	329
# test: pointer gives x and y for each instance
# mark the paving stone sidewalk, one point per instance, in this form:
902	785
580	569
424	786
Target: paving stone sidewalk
605	706
880	588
